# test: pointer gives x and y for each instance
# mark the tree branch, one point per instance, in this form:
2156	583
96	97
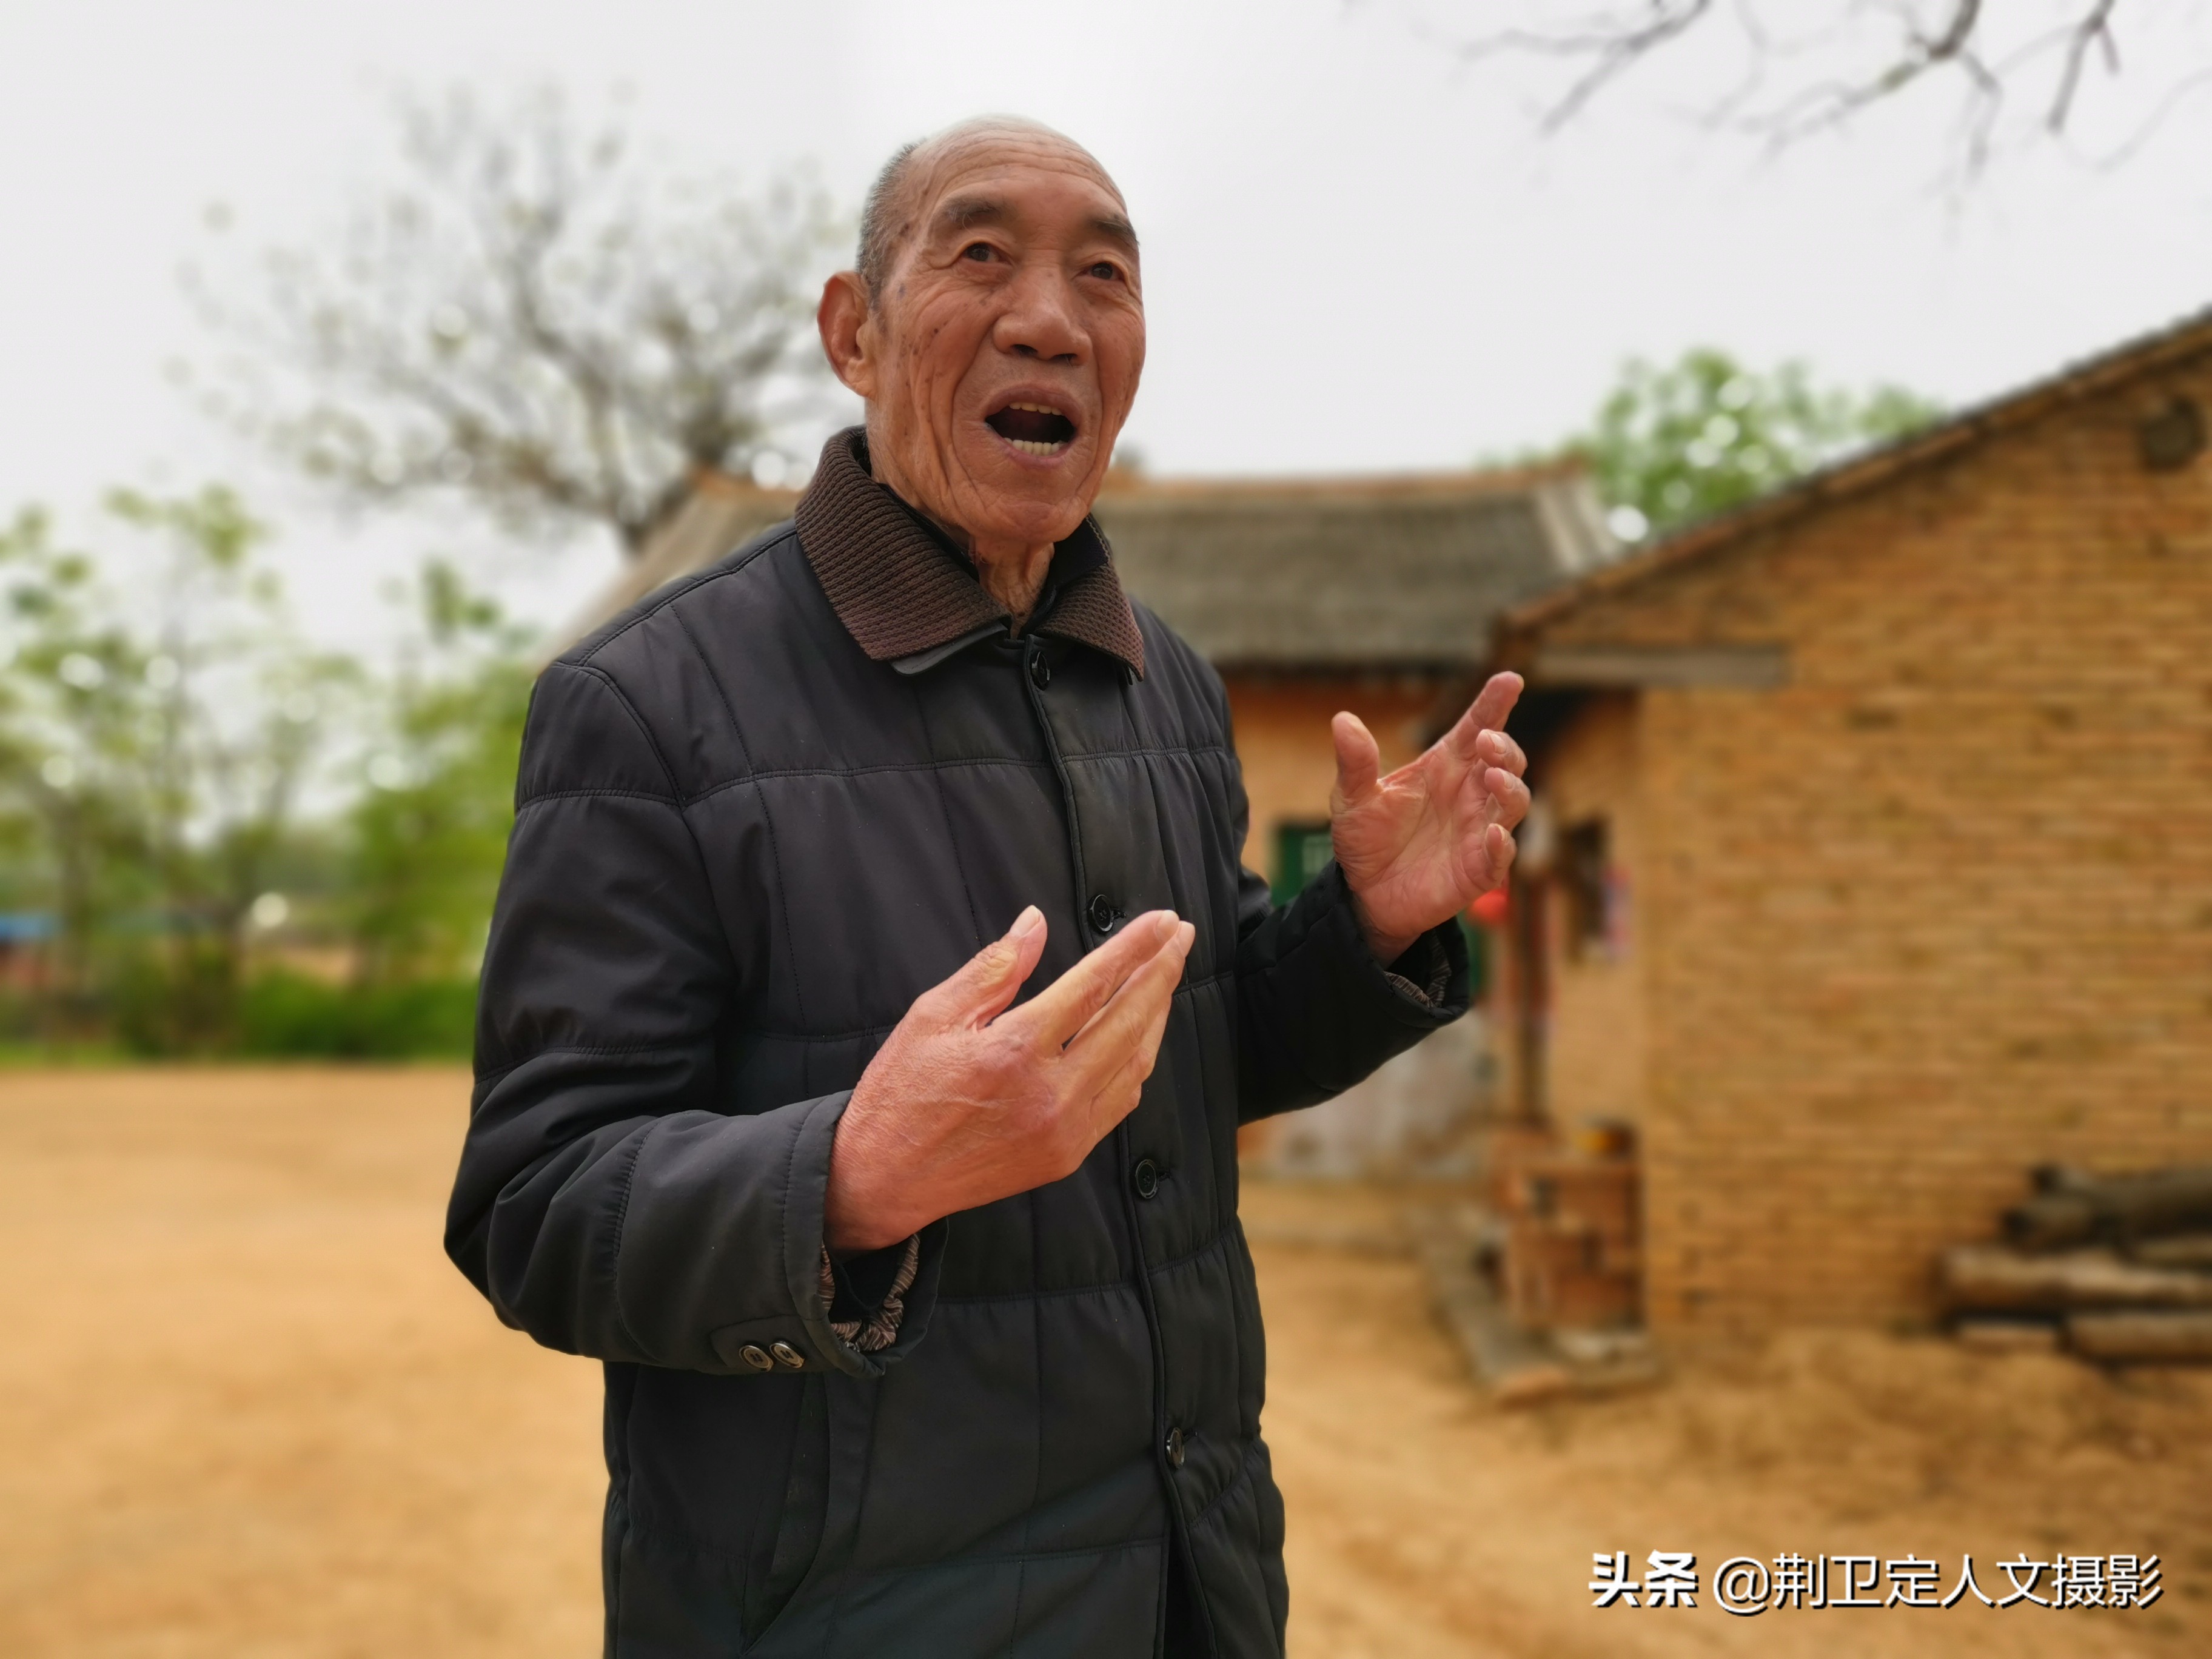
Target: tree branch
534	322
2092	30
1607	42
1615	50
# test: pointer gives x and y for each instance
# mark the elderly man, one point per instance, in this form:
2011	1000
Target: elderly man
875	993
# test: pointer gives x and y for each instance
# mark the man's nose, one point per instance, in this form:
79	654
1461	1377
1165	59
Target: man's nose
1040	321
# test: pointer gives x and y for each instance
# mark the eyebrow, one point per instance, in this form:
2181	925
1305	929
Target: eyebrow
1116	229
966	212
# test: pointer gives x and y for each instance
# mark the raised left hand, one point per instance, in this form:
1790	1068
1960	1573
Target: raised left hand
1418	847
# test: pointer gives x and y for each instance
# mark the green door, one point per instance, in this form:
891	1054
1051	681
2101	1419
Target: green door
1301	851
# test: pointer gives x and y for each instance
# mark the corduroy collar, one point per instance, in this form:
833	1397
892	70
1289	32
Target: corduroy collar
904	596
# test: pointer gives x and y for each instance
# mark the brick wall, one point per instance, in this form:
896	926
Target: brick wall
1597	987
1283	742
1939	908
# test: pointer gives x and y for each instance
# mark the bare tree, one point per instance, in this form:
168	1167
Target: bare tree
534	318
1805	69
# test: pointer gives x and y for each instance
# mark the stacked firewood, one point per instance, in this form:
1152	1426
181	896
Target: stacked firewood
1569	1260
2118	1267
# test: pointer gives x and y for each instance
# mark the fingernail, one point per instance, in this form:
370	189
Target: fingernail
1028	922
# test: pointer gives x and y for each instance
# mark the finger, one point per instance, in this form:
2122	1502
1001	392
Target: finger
1358	761
1495	702
1145	1054
1477	735
1072	1001
1101	1075
1508	797
1120	1027
1498	843
1119	1095
1484	719
1462	744
993	977
1500	750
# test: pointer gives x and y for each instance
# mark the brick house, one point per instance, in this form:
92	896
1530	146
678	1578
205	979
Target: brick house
1311	595
1373	595
1377	595
1874	861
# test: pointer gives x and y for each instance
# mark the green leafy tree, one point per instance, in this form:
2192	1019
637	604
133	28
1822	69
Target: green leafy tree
428	833
76	731
154	739
421	842
1675	443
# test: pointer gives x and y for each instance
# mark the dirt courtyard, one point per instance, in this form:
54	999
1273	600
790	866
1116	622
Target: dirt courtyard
247	1410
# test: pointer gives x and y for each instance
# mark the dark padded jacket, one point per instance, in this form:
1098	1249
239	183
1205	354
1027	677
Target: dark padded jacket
745	842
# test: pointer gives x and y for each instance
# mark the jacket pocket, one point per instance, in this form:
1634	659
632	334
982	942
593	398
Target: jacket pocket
776	1573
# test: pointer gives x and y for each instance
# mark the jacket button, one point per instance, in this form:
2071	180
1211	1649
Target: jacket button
1174	1449
1102	913
1040	671
756	1356
1146	1177
787	1355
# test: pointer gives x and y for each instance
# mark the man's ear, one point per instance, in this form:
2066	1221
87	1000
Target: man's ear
848	338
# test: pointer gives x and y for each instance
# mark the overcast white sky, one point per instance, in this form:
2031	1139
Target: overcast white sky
1359	255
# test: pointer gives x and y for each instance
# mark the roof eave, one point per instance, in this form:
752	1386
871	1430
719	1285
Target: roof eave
1321	667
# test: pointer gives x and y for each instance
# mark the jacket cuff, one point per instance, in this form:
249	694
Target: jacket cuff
806	1207
1426	988
797	1335
1427	958
864	1307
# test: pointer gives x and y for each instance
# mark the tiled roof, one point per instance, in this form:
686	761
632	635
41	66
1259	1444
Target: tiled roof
1291	574
721	514
1384	573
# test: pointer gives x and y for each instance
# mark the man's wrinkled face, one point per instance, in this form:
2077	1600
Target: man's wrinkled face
1003	354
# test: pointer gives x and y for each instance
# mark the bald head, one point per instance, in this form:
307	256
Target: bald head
888	215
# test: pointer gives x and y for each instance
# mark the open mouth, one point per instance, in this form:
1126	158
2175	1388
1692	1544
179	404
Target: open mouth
1033	428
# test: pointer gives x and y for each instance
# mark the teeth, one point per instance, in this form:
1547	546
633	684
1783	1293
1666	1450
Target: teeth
1029	447
1035	409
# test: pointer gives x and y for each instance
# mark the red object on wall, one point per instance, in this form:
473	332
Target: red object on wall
1490	910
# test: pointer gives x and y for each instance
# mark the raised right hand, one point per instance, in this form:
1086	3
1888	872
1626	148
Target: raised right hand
966	1103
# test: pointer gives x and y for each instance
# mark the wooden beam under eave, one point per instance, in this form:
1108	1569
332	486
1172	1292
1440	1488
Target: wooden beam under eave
1633	667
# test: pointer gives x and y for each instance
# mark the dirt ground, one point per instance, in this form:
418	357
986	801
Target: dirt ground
247	1409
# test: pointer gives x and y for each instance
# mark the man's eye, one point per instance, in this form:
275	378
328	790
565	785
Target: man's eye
1106	273
978	251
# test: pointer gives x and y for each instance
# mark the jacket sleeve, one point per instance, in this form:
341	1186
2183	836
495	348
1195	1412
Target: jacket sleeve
603	1205
1315	1013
